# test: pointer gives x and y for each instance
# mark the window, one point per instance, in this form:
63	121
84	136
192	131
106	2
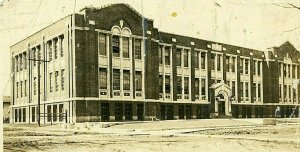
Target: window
56	80
233	88
167	55
61	41
242	89
103	78
34	56
258	67
101	44
21	88
125	42
219	62
160	54
17	63
178	57
179	87
50	81
288	71
24	114
186	58
54	113
203	54
21	62
138	80
186	85
38	53
25	60
227	64
116	79
294	71
60	110
49	48
138	49
246	66
246	89
294	93
116	46
212	59
49	113
279	69
126	80
241	65
25	90
33	114
259	90
34	86
233	64
280	89
197	86
290	90
167	84
285	91
62	79
17	90
55	48
203	88
196	59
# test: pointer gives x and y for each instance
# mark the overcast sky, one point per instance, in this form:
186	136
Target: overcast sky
253	23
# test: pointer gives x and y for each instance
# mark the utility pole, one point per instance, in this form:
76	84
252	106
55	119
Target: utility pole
39	92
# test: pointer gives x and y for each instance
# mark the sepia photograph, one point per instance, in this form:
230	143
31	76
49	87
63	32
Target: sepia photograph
150	75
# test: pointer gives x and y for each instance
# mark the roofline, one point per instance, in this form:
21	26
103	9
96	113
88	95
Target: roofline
40	30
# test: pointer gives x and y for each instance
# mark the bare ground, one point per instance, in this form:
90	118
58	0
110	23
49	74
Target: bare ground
190	135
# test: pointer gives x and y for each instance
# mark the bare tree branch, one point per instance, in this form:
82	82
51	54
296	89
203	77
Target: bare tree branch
287	5
292	29
293	6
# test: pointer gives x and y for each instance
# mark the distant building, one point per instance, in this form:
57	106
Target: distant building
111	64
6	109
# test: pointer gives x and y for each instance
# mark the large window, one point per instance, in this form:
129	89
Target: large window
125	47
258	67
160	84
34	86
167	84
227	64
32	57
160	54
49	48
241	65
21	89
246	89
61	48
102	44
219	62
167	56
197	86
55	48
116	46
196	59
203	56
186	58
242	89
103	78
126	80
186	85
179	85
116	79
178	57
247	66
259	90
138	81
203	87
17	63
233	64
25	60
50	82
33	114
212	61
62	79
56	80
138	49
294	71
25	86
233	88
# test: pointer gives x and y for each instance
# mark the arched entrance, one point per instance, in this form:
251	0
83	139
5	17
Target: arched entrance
221	102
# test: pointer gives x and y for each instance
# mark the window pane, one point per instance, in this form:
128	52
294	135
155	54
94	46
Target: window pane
186	58
56	80
167	56
103	78
126	80
179	87
116	46
167	84
178	57
212	61
55	48
203	54
138	50
62	79
160	54
116	79
196	59
197	86
125	41
203	88
102	44
138	81
61	38
160	84
186	85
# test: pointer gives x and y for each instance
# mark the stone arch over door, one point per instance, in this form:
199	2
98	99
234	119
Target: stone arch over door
222	94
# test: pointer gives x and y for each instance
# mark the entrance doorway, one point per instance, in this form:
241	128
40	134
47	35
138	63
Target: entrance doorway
221	107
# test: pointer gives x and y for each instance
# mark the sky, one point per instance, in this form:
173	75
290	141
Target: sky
253	24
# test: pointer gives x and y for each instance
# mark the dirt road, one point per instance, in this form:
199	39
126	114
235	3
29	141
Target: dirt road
166	136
